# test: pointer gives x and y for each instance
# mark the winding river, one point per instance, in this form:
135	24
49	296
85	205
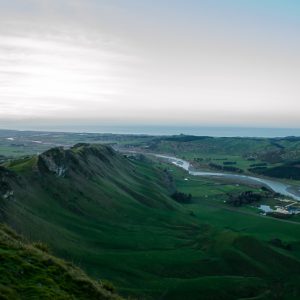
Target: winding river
276	186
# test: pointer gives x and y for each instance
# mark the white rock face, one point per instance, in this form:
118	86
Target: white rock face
54	167
61	171
8	195
54	161
6	192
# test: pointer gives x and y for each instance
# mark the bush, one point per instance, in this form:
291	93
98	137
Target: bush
278	243
258	165
244	198
41	246
107	285
182	197
225	168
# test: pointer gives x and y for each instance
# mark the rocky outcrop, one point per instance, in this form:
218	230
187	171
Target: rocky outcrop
86	159
53	161
6	191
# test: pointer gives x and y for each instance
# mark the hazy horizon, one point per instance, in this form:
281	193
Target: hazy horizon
217	131
199	63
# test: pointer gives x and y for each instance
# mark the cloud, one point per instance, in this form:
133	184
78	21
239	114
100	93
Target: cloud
133	61
50	74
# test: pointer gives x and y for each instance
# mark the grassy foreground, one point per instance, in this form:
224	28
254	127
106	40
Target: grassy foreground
29	272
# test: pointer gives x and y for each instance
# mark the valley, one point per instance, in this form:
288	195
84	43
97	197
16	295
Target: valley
113	214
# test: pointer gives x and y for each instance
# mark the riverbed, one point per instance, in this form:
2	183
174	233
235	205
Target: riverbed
274	185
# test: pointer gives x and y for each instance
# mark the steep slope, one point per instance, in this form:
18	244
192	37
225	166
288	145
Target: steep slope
112	216
27	272
87	201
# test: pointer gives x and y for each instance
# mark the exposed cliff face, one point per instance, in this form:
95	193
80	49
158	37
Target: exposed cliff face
6	192
80	158
54	161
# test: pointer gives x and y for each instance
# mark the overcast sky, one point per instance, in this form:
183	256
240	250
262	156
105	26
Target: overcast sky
226	62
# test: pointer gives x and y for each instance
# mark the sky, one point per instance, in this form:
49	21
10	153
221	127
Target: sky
158	62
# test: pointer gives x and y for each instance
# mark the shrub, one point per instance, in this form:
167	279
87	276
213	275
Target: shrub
244	198
182	197
41	246
107	285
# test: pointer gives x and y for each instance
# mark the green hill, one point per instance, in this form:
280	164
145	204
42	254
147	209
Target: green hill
29	272
112	215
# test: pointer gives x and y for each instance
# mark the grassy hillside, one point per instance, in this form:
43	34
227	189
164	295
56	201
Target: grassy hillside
29	272
113	216
288	147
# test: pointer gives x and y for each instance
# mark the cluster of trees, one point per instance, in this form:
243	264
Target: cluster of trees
279	243
279	215
244	198
226	168
257	170
182	197
198	159
289	171
186	138
258	165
